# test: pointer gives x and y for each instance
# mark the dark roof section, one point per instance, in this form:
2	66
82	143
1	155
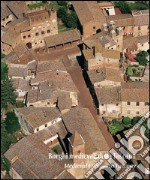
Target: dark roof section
64	37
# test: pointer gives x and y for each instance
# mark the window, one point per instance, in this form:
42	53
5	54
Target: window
45	125
37	129
137	112
48	31
146	103
24	37
137	103
78	152
128	112
40	41
42	32
37	34
128	103
29	35
139	27
116	104
94	27
102	104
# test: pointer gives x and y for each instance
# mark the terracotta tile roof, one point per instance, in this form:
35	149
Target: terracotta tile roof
105	4
88	54
130	57
33	154
132	45
18	8
51	131
4	9
134	41
17	71
63	37
141	17
20	49
108	95
135	91
76	139
81	120
143	39
110	53
22	169
62	81
88	11
21	84
104	74
20	25
37	116
64	101
10	36
46	94
54	65
121	19
65	175
57	54
117	11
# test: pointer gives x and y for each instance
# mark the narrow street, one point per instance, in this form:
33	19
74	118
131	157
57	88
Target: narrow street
86	101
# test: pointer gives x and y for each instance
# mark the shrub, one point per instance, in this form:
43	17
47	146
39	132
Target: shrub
126	121
12	124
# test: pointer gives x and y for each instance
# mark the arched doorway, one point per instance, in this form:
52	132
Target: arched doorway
29	45
98	31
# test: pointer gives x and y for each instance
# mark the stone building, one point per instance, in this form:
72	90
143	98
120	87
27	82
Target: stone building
28	154
42	23
134	98
90	16
130	99
96	56
135	24
31	29
34	119
63	40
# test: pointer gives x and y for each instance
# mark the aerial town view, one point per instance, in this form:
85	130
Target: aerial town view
75	90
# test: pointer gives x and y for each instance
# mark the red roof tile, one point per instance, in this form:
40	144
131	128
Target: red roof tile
130	56
117	11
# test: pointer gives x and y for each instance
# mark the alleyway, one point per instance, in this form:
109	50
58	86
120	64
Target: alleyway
86	101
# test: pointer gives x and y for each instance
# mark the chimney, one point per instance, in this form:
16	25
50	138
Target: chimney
119	31
105	27
112	25
113	33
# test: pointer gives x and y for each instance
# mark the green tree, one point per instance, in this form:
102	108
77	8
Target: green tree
141	58
71	20
7	93
123	6
2	55
5	138
4	71
12	124
115	127
62	3
129	71
6	163
126	121
135	120
62	13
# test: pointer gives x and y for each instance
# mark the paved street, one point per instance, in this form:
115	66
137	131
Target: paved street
86	101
